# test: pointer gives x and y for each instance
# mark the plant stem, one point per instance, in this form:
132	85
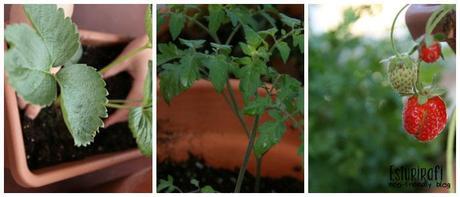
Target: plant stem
450	151
124	58
249	148
436	17
124	100
117	106
395	50
281	39
258	169
229	39
213	35
236	108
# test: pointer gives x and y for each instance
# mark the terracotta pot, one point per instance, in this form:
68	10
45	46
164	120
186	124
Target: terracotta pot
417	16
15	151
200	122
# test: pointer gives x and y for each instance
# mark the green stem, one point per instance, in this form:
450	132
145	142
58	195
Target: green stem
247	154
281	39
229	39
213	35
395	50
236	108
124	100
450	152
124	58
117	106
258	169
436	17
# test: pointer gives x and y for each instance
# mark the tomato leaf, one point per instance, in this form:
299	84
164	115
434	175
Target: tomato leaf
257	106
284	50
252	38
167	52
83	99
250	78
195	44
271	133
216	17
218	71
291	22
176	24
298	40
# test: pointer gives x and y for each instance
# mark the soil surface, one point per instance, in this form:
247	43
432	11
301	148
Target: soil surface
47	140
223	181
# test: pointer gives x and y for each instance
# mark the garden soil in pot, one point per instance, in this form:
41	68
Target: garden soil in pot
47	140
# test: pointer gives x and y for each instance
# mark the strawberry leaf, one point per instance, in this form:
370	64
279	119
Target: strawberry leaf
59	34
148	22
27	64
140	124
83	99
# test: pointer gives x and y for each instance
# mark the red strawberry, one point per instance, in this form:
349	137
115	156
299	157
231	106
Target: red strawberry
430	54
425	121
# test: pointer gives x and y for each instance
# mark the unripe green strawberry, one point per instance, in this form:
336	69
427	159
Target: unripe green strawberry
402	73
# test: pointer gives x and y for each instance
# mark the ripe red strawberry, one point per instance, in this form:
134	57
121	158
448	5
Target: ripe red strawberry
430	54
425	121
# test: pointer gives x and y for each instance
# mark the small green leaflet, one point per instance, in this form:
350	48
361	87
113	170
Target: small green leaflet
268	32
167	52
178	77
271	133
291	22
250	78
176	24
194	44
83	99
218	71
298	40
221	48
252	38
216	17
242	15
140	118
58	33
207	189
166	184
257	106
284	50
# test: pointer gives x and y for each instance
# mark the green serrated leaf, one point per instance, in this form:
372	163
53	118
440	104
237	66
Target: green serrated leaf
223	48
195	182
166	184
252	38
76	57
218	71
270	32
140	124
28	64
298	40
216	17
167	52
140	118
170	82
250	78
284	50
189	70
291	22
83	99
194	44
270	134
207	189
148	22
241	15
176	24
257	106
59	34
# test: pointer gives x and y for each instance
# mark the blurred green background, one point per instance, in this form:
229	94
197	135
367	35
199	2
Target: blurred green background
355	124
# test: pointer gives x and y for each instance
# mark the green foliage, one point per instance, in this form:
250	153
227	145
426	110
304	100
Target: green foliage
53	42
249	61
176	24
140	118
166	185
148	22
83	99
355	130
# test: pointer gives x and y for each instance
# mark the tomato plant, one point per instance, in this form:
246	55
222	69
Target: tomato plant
183	61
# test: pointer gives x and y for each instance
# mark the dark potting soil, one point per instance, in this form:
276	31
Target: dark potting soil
47	140
221	180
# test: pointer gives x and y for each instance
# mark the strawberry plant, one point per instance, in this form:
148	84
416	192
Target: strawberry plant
424	114
183	61
52	40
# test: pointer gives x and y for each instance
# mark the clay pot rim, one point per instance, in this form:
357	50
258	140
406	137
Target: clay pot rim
16	156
